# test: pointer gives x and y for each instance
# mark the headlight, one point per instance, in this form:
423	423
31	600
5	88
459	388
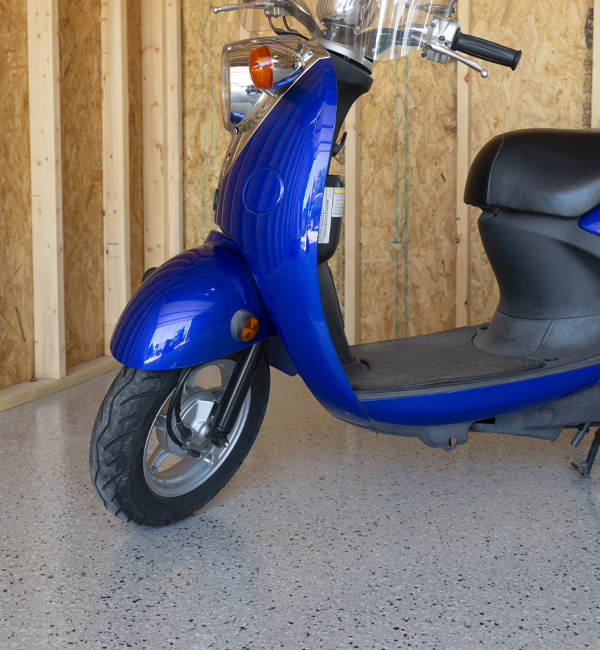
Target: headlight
357	14
240	97
254	72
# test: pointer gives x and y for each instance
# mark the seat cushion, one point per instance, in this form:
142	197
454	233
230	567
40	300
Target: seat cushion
546	171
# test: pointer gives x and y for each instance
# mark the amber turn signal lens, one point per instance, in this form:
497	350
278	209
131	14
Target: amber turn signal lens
261	67
249	329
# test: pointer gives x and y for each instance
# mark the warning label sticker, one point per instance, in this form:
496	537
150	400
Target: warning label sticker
333	208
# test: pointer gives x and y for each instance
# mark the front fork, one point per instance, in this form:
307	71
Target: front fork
235	394
228	408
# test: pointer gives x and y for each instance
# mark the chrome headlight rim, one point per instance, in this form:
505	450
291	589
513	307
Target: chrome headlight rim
243	104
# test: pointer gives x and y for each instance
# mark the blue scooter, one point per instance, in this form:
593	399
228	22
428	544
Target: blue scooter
199	335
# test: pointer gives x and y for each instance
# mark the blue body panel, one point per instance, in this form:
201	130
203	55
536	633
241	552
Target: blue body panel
275	224
181	314
479	403
591	221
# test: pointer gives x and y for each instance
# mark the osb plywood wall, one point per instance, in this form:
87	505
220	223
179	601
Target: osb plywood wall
81	141
16	285
409	158
551	88
408	233
204	136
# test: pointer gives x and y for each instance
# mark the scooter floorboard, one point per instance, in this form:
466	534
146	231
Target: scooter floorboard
438	360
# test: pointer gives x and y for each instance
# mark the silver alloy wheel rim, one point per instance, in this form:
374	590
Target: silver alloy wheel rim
166	473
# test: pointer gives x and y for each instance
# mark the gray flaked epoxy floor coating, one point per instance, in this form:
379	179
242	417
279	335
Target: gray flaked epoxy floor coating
328	537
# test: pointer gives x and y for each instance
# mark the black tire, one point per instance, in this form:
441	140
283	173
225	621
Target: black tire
118	450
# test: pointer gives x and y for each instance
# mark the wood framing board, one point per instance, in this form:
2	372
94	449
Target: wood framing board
35	389
16	280
162	128
205	138
46	189
115	130
81	144
174	127
352	225
153	108
545	91
136	185
595	123
408	213
463	150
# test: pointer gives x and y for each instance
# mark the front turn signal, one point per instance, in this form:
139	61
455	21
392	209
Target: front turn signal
244	326
275	65
261	67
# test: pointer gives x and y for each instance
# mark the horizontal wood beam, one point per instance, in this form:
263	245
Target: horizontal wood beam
35	389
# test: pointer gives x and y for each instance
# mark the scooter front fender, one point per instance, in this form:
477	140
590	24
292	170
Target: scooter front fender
181	315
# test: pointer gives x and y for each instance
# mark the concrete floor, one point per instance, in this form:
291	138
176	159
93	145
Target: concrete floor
327	537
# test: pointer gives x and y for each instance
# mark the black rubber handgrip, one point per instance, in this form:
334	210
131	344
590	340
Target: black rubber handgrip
486	50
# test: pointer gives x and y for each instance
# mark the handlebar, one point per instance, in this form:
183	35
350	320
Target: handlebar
486	50
441	40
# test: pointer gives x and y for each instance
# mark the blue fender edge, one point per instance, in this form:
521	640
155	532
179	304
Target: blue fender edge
181	315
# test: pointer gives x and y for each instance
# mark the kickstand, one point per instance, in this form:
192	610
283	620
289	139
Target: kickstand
586	467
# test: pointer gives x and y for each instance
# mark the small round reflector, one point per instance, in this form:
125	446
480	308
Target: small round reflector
249	329
261	67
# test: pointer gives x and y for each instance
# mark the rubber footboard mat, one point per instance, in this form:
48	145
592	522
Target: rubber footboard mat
432	360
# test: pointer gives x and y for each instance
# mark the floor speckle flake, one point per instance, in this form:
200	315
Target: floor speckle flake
327	537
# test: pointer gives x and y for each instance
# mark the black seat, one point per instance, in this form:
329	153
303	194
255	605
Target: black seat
546	171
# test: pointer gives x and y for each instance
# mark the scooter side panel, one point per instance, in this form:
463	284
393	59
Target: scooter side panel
270	204
478	403
181	314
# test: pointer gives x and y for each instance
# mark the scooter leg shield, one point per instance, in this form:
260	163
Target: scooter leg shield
182	314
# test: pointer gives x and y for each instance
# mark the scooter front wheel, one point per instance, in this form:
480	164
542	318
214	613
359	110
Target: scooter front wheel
139	473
